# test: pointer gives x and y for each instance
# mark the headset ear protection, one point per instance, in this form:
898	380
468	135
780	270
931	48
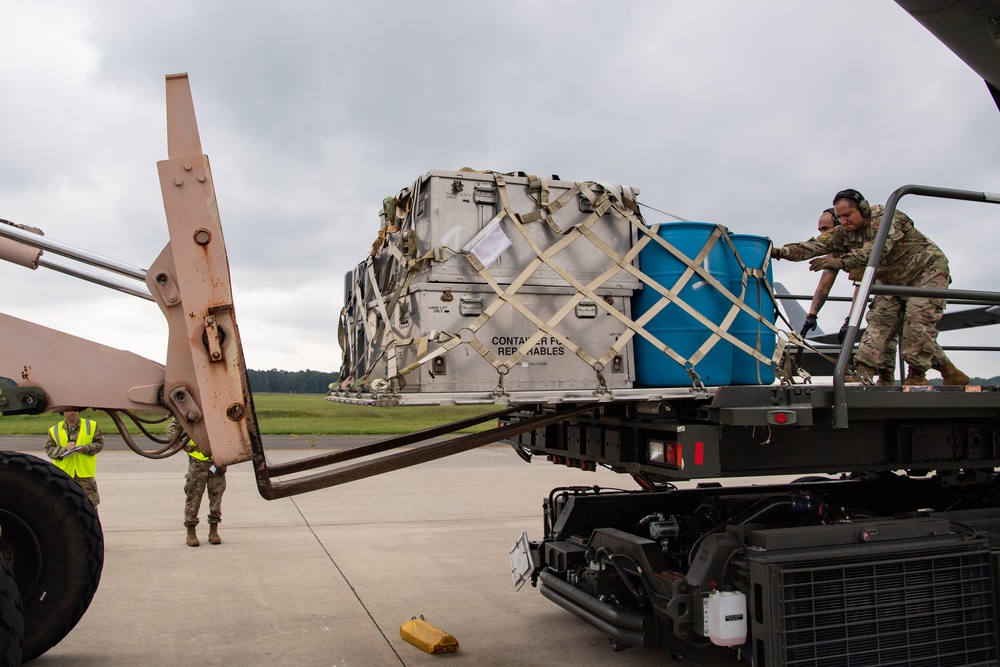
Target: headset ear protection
836	220
857	198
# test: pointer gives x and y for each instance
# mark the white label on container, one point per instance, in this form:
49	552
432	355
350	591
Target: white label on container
489	243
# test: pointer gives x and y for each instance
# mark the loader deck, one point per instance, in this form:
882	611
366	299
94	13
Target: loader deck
778	430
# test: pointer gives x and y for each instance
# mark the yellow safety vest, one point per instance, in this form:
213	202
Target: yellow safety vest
196	453
77	465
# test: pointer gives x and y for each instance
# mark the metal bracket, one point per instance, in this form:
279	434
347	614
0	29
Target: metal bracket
213	338
22	400
184	401
167	289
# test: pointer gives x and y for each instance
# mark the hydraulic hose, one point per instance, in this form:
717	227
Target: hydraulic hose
606	556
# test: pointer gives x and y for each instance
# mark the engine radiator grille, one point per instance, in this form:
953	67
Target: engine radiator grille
912	604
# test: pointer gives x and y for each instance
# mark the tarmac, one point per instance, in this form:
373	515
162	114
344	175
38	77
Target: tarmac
328	577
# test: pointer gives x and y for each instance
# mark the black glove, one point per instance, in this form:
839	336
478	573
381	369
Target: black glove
808	325
777	253
842	334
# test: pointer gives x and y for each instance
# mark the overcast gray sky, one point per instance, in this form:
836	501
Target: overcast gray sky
748	114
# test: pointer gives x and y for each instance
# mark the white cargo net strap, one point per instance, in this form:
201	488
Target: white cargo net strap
623	201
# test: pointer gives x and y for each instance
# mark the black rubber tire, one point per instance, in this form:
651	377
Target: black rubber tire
51	535
813	479
11	618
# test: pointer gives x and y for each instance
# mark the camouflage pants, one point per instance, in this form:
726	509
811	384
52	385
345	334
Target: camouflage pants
915	317
198	478
89	486
887	366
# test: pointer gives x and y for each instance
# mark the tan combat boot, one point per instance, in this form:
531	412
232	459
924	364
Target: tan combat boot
886	378
915	378
951	376
213	534
863	373
192	537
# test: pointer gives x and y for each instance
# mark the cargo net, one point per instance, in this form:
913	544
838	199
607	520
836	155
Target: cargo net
378	358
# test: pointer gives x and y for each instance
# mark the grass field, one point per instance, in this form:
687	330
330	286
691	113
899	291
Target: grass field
293	414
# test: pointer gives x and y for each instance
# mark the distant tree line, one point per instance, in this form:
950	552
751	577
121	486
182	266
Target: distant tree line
291	382
283	382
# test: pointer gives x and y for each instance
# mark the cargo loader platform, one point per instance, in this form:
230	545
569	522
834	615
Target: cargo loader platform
541	397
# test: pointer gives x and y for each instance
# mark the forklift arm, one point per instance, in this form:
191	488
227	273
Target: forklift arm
204	382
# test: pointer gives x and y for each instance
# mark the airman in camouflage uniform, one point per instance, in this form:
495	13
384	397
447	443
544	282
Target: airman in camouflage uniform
887	367
909	258
73	445
202	473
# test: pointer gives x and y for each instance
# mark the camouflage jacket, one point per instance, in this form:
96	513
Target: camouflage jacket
907	255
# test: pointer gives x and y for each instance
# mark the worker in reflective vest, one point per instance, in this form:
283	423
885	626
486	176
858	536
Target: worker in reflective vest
73	445
202	474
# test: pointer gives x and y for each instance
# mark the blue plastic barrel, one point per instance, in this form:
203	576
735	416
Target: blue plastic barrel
672	325
753	251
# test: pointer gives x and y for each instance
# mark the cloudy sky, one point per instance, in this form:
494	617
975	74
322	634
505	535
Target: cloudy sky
749	114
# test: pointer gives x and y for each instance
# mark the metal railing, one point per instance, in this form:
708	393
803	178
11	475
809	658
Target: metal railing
868	287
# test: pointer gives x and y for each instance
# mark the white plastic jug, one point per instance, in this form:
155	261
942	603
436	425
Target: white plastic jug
726	618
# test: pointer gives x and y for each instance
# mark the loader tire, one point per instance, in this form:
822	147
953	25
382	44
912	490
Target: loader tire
11	618
51	536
